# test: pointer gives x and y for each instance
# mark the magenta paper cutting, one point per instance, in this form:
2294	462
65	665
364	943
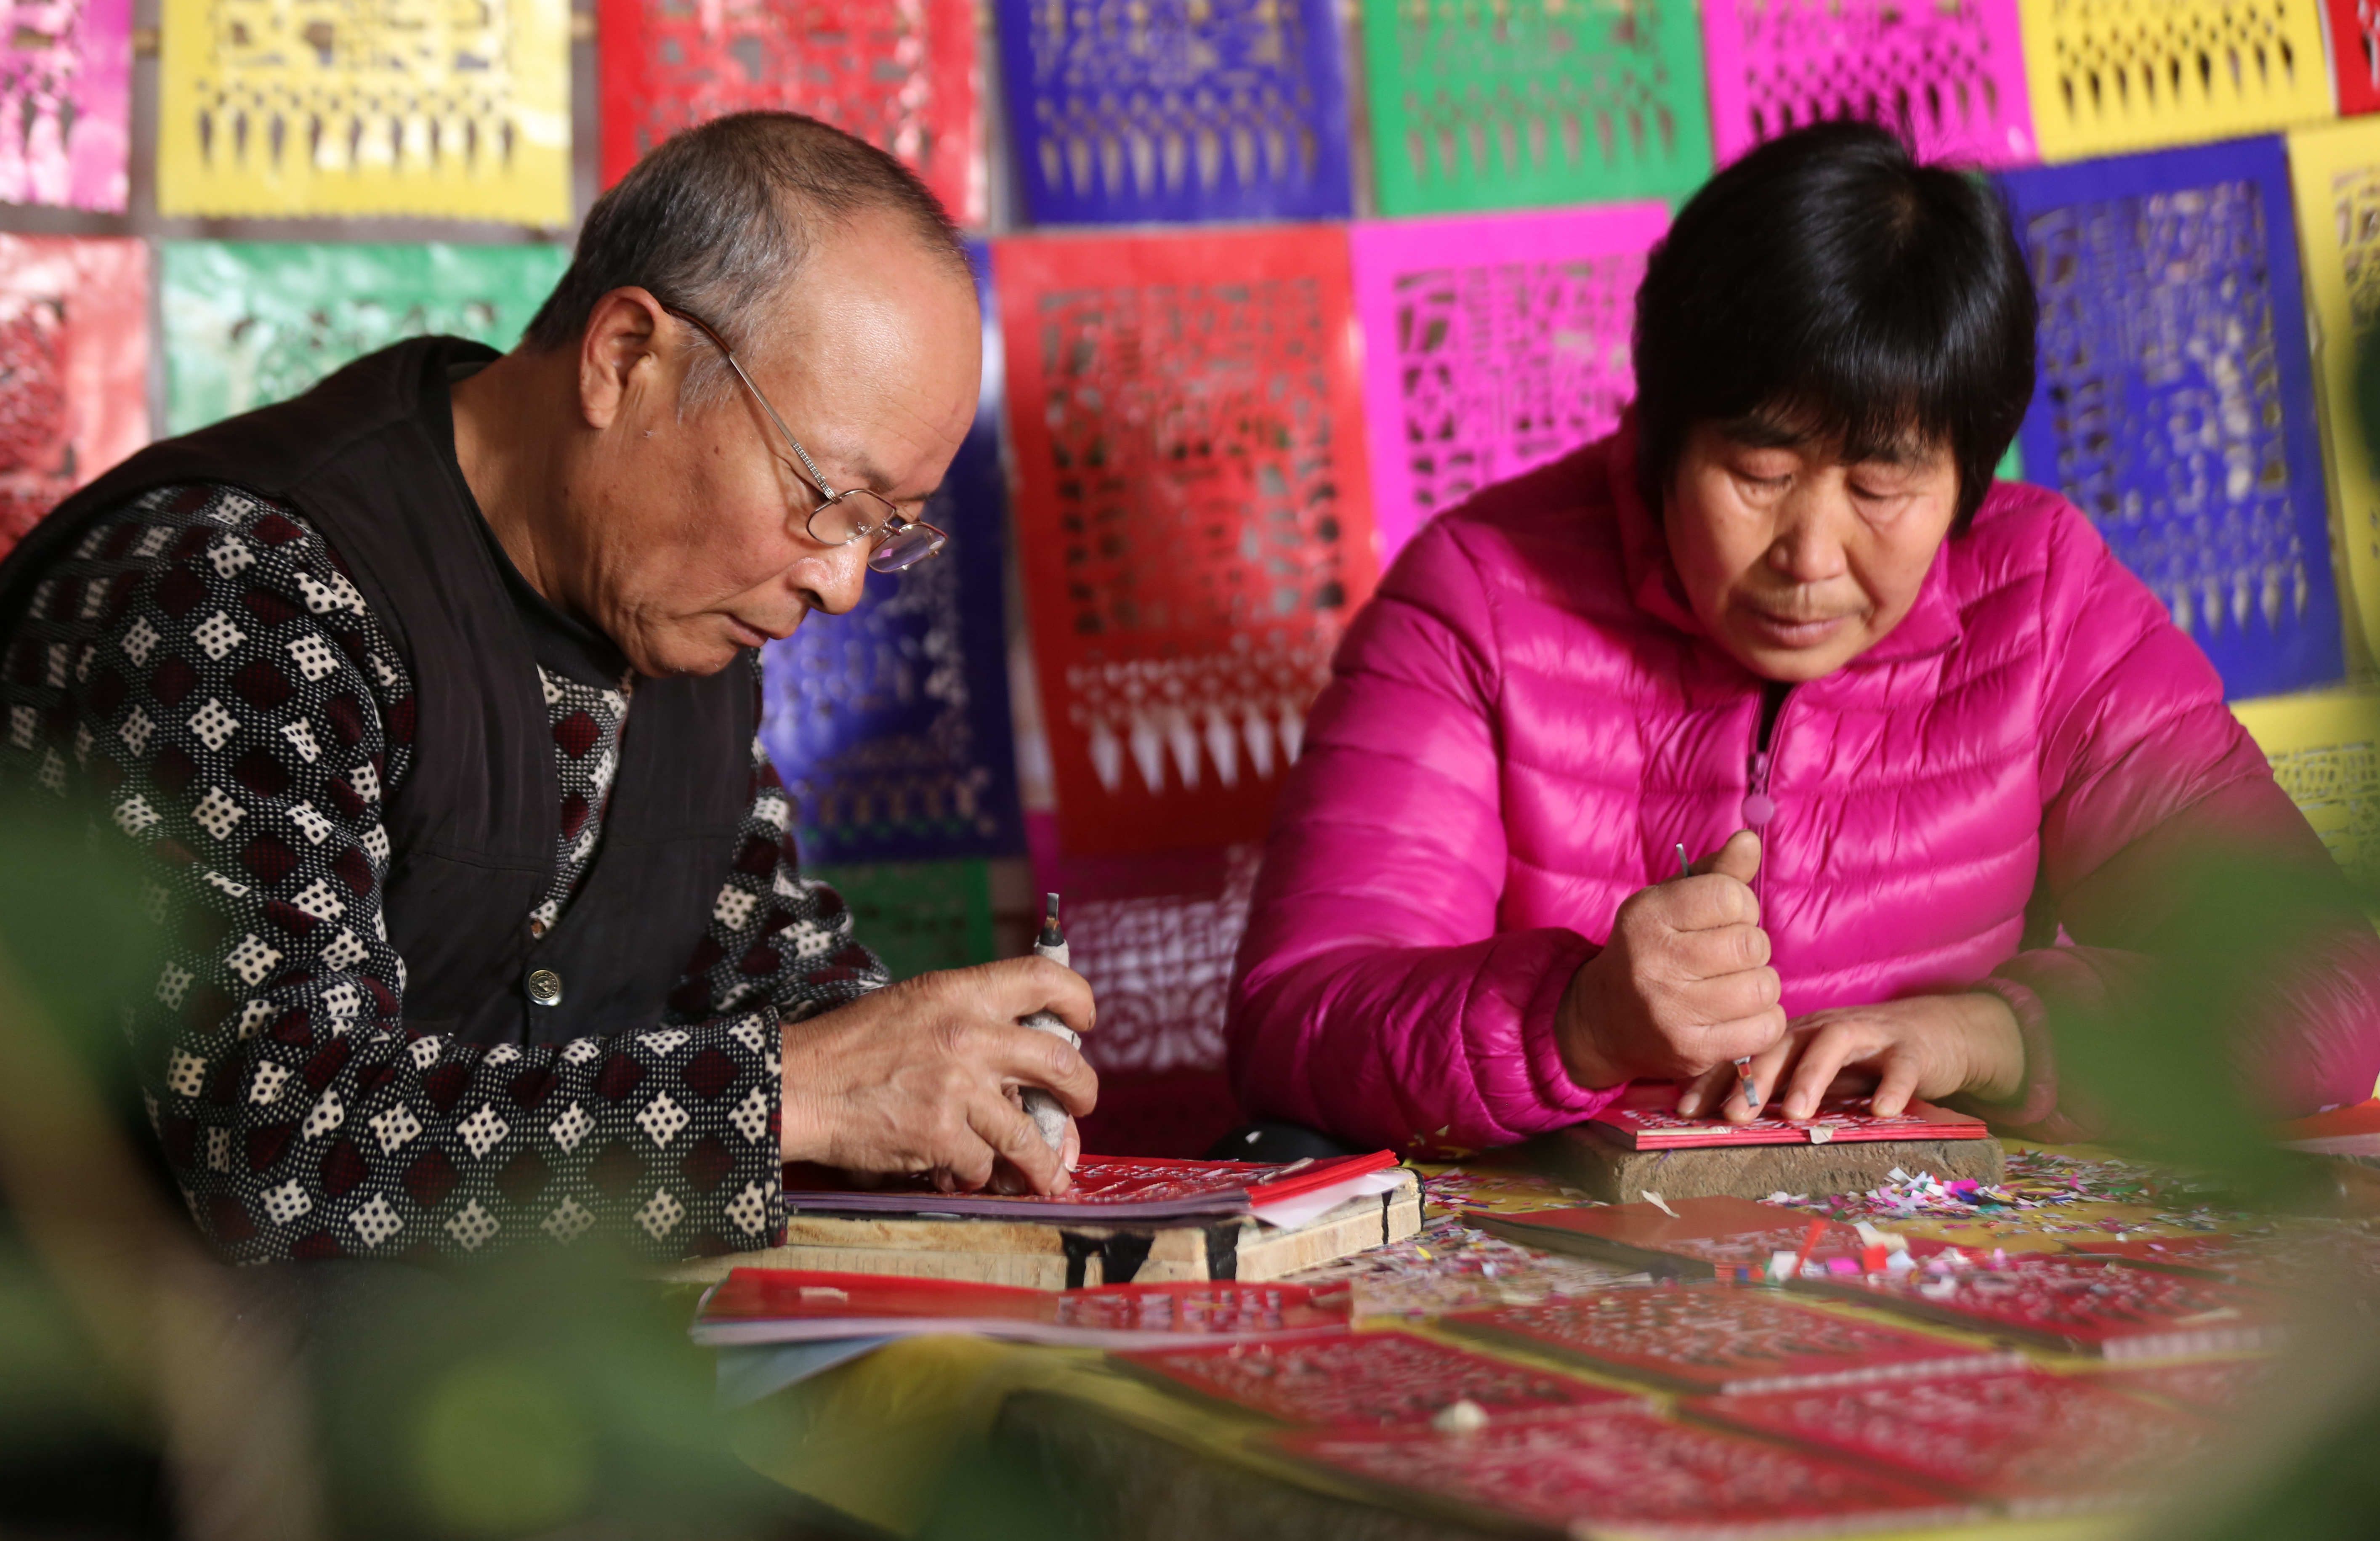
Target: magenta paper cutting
1491	345
65	72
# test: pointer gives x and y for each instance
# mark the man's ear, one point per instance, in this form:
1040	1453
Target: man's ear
623	352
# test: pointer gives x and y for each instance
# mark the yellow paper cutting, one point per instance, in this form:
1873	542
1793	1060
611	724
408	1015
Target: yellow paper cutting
2324	750
448	108
2110	76
2334	175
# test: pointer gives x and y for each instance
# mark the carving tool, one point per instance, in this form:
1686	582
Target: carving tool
1048	1114
1743	1063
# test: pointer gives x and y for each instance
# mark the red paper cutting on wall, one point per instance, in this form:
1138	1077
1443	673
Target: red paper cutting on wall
899	74
74	368
1193	518
1367	1379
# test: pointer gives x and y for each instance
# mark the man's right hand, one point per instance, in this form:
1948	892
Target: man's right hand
1682	986
915	1078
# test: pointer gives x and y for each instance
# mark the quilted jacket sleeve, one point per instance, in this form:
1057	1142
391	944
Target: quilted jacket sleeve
1374	998
2143	771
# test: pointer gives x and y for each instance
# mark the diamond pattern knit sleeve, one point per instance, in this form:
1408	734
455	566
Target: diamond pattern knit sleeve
203	671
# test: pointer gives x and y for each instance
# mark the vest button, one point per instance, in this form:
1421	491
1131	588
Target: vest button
545	986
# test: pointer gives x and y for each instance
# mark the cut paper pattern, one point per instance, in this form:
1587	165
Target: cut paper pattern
319	107
1949	77
1194	516
1176	110
1649	1122
2080	1304
252	322
1514	103
2325	751
2108	76
2175	400
66	74
918	917
890	725
1491	345
74	368
899	74
2355	54
1365	1380
2336	173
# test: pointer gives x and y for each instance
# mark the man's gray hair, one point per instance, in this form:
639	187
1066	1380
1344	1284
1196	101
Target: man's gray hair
718	219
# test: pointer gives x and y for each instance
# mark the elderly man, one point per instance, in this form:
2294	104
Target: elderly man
431	697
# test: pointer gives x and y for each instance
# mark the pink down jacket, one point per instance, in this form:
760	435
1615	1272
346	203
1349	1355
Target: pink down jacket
1526	721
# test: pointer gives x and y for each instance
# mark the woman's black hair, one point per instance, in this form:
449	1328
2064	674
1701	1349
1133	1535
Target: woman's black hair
1827	288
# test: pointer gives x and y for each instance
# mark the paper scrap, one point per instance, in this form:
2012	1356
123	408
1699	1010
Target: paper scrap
1658	1202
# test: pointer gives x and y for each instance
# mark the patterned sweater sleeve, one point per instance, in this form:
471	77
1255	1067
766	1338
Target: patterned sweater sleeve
227	696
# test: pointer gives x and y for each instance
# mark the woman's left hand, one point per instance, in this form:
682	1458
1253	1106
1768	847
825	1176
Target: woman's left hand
1929	1046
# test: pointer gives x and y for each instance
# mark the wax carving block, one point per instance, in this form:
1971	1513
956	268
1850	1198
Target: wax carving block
66	71
890	725
2085	1304
2175	402
2108	76
918	916
899	74
1597	1472
74	368
1646	1124
1715	1338
2336	173
2355	54
1194	515
2026	1439
1176	110
292	107
1367	1379
252	322
1949	76
1492	344
2324	750
1476	105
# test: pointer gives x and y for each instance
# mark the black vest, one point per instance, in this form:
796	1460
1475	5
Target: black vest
474	829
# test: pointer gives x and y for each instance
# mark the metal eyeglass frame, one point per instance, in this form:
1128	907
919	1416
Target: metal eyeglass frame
905	541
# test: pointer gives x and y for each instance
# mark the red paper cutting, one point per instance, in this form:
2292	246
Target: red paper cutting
899	74
2031	1441
74	368
2086	1305
1107	1188
1194	516
1366	1380
777	1306
1643	1121
2220	1387
1587	1470
1715	1338
1708	1236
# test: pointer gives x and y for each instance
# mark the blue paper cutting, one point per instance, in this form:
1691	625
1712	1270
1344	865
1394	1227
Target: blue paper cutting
890	725
1125	111
2175	400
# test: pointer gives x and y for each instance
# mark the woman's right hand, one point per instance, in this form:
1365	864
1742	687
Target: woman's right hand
1682	986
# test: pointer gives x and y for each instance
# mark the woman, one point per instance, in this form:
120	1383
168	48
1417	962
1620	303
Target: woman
1783	617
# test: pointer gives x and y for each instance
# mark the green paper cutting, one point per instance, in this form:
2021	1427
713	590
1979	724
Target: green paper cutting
252	322
1515	103
918	916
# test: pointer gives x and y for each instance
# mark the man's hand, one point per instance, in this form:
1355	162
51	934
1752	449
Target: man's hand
921	1077
1927	1046
1684	983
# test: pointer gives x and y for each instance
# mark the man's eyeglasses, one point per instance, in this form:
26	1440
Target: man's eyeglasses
896	541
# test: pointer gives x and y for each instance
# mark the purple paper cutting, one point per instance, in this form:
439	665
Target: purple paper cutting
66	68
1491	345
1949	76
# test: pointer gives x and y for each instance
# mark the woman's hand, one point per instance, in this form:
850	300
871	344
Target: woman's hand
1683	984
1929	1046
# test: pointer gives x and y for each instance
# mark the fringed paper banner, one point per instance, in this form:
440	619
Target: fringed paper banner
2175	402
2336	170
252	322
309	107
66	73
2324	750
890	724
899	74
74	368
1488	104
1491	345
919	916
2107	76
1948	76
1176	110
1194	515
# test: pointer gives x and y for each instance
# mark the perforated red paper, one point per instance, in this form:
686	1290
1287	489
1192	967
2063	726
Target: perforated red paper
1649	1125
899	74
1194	515
760	1305
1110	1188
2087	1304
1368	1379
74	368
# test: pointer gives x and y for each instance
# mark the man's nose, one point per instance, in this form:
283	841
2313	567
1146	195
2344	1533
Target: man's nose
844	580
1808	546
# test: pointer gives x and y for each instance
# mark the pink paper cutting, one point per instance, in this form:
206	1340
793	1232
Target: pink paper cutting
1491	345
74	368
66	69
